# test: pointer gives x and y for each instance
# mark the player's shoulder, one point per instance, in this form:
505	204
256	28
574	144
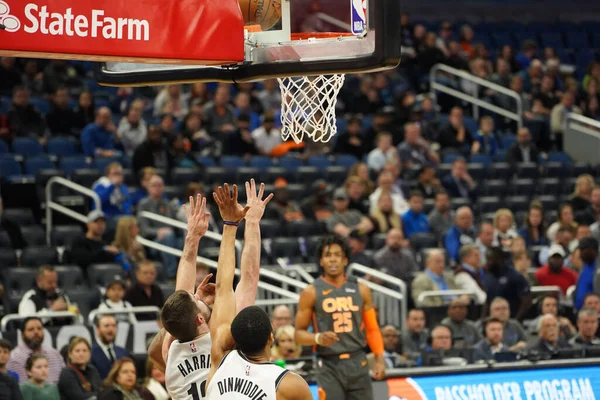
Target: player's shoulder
292	387
309	290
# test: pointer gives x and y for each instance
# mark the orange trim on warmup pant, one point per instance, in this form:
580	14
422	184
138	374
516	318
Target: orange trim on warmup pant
322	394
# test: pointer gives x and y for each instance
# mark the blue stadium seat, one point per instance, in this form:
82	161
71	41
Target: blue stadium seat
345	160
549	186
336	175
517	203
61	146
272	173
471	125
308	174
527	170
550	202
68	164
218	175
304	228
523	187
9	167
101	163
4	147
18	280
378	241
420	241
183	176
36	256
232	162
261	162
501	170
290	163
320	162
477	170
488	204
5	240
484	159
287	248
103	274
578	40
552	39
85	176
70	277
8	257
63	235
206	161
311	244
555	169
449	158
495	187
34	164
298	190
561	157
26	146
244	174
508	140
40	104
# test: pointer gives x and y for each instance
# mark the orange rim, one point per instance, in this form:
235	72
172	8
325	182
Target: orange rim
318	35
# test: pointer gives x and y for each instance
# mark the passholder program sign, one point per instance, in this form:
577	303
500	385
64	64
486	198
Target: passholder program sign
152	30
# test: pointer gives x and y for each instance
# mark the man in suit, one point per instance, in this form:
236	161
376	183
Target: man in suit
549	339
459	183
485	349
432	279
104	351
392	359
522	151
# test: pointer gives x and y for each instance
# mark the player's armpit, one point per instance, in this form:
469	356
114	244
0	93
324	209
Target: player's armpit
222	343
306	306
293	387
156	351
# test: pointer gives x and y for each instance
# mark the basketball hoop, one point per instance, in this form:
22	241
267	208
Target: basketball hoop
308	102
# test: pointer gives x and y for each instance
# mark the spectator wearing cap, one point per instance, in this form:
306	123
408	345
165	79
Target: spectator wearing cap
461	233
318	207
90	249
282	206
352	141
383	153
468	275
267	136
427	183
459	182
396	258
32	337
343	220
99	139
5	348
485	140
554	273
563	237
442	216
45	297
113	193
358	243
415	220
415	150
589	280
113	301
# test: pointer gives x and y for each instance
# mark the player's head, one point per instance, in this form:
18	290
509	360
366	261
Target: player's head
333	253
252	331
183	314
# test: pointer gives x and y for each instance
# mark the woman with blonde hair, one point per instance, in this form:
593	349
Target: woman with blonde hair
361	170
285	346
504	231
155	382
79	380
121	383
584	186
125	240
384	217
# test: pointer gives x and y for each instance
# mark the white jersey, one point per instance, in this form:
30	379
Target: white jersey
237	378
188	366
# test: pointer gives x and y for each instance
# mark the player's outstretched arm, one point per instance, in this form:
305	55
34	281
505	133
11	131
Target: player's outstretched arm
224	309
306	306
245	292
374	338
293	387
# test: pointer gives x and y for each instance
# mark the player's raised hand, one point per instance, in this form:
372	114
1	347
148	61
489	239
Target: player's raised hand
227	201
197	217
206	291
327	339
255	201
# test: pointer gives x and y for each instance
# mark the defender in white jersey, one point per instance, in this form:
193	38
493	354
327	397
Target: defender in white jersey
243	373
182	348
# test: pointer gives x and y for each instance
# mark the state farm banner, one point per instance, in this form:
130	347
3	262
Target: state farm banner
170	31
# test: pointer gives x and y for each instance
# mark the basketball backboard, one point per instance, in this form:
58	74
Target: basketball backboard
366	42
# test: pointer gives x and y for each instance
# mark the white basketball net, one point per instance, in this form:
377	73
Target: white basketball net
308	106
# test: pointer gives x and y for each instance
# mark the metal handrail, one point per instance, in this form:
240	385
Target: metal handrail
283	263
133	310
213	264
402	296
434	85
50	315
584	138
443	293
51	205
585	120
547	289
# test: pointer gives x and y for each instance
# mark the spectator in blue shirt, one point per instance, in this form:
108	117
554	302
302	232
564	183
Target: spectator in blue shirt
485	140
98	138
415	220
114	195
589	279
527	54
242	106
461	233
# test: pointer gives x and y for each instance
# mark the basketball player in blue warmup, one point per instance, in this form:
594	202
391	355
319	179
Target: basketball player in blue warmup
182	347
241	344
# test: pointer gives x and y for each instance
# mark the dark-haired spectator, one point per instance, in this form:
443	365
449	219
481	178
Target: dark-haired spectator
534	231
242	106
32	337
121	383
9	75
396	257
98	138
343	220
357	242
114	195
522	263
459	182
45	297
167	126
587	326
462	329
591	216
414	220
270	96
32	78
414	339
240	142
434	278
455	134
153	152
592	300
442	216
23	119
113	301
582	231
566	218
427	183
415	150
352	141
9	388
468	275
318	207
132	130
503	281
367	100
60	73
523	150
79	380
558	117
514	336
61	120
503	75
527	54
171	100
461	233
90	248
85	111
218	114
546	95
384	217
248	88
145	292
391	336
564	238
384	152
5	348
548	304
492	342
154	382
197	136
284	208
554	273
485	237
431	54
456	58
588	281
548	332
357	193
582	195
267	136
105	352
37	386
485	140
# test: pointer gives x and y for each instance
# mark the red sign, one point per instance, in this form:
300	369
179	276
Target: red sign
169	31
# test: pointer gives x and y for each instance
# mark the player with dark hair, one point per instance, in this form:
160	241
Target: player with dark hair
338	307
243	373
182	347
